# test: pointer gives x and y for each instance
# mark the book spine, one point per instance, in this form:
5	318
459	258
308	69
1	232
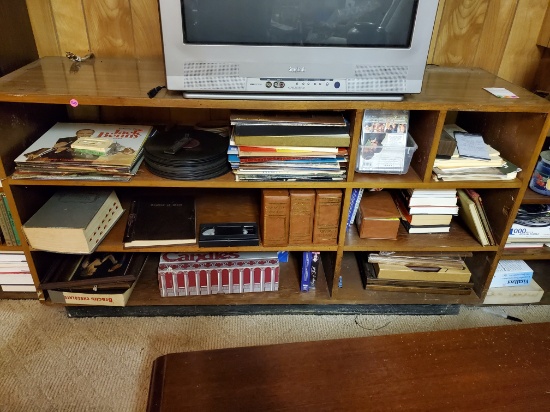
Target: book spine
484	219
130	223
302	209
294	141
14	231
275	214
5	225
328	203
315	263
306	271
355	208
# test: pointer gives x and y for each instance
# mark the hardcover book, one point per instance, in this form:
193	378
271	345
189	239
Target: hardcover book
8	231
315	264
73	221
356	195
306	271
470	215
185	274
328	204
409	220
17	288
328	129
161	221
378	217
475	196
275	217
302	209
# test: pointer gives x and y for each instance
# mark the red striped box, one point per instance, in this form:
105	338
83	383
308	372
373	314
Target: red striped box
234	272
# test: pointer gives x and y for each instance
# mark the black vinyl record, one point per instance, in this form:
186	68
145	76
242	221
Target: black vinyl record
186	153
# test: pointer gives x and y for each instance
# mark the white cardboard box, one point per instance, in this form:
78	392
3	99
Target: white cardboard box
512	273
532	293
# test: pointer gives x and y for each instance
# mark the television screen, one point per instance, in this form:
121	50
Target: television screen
317	23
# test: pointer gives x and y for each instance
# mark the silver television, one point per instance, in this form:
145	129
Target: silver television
301	49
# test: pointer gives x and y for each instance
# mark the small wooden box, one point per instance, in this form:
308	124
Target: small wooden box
377	217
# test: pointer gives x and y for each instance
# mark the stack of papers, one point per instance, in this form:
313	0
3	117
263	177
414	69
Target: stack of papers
473	159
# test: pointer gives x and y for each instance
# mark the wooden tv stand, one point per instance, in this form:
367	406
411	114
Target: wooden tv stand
112	90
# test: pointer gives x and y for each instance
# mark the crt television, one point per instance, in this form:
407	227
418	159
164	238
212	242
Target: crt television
304	49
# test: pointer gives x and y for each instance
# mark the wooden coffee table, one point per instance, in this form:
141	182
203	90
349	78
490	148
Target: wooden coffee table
490	369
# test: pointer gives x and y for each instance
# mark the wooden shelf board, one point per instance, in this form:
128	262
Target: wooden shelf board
126	81
18	295
352	291
534	253
144	178
458	239
534	198
411	180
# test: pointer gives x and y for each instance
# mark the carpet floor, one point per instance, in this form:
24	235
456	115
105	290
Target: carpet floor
49	362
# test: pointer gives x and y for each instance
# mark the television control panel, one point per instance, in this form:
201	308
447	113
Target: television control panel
296	85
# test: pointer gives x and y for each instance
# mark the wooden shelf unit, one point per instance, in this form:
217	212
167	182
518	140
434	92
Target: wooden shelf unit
114	90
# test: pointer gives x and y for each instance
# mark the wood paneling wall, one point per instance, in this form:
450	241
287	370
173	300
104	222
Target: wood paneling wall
497	35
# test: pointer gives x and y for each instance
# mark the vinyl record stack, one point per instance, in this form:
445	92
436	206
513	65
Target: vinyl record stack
187	153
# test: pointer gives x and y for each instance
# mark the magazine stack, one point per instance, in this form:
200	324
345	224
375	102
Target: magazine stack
289	146
84	151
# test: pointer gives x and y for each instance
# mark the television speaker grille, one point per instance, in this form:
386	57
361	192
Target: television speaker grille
382	79
213	76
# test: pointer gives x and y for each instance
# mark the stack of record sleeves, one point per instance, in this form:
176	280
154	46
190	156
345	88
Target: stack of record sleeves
187	153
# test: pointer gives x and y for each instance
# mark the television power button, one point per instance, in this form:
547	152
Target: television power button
337	85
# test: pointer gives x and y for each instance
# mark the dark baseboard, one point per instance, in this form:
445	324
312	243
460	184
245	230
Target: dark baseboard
184	310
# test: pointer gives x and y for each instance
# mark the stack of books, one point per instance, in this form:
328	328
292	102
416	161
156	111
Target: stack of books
98	279
187	274
415	272
267	146
15	275
471	163
84	151
426	211
531	227
300	216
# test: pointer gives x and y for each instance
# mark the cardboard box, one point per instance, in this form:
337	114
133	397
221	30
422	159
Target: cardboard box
531	293
186	274
512	273
377	217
